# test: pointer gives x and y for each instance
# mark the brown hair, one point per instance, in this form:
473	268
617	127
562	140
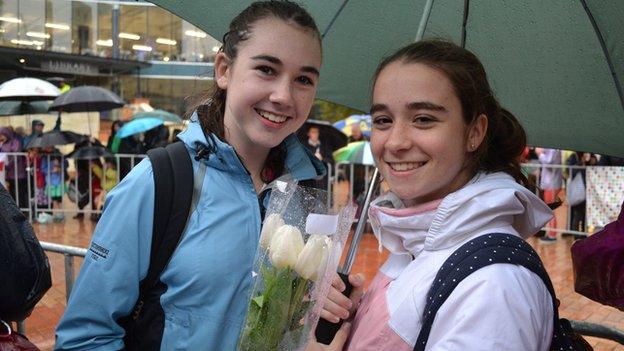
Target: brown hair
505	138
210	105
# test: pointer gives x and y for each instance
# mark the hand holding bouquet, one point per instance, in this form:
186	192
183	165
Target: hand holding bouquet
293	262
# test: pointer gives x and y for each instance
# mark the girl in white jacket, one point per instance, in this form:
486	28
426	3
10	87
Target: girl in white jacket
449	153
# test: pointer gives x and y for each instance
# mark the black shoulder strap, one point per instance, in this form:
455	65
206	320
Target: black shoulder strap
480	252
173	182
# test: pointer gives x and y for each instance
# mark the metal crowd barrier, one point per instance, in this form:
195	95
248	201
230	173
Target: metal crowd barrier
40	200
69	252
37	203
342	169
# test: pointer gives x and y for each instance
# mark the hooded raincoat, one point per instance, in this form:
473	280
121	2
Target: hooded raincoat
209	276
499	307
16	165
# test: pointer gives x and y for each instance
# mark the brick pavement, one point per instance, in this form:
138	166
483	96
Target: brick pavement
40	326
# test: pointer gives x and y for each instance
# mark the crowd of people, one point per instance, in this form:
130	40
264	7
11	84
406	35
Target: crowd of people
547	174
37	177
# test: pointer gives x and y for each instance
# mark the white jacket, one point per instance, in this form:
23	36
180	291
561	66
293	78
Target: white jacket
499	307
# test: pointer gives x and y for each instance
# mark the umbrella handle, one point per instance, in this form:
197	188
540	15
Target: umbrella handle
359	230
326	330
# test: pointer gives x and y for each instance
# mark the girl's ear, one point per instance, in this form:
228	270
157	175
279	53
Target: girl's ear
477	132
222	69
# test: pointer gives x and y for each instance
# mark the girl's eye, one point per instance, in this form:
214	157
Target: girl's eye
266	70
423	120
305	80
381	121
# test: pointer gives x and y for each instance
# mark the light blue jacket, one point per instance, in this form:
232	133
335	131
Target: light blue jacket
209	275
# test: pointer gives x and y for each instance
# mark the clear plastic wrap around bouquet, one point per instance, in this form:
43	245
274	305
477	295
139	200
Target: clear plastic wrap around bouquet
300	247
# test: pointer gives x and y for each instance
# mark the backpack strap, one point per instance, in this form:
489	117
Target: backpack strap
480	252
173	174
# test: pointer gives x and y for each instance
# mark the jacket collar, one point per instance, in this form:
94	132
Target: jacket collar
299	163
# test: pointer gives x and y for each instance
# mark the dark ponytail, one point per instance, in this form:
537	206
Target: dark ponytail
210	105
505	138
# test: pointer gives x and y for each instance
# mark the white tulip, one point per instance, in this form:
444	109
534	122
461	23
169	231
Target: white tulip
312	260
286	244
271	224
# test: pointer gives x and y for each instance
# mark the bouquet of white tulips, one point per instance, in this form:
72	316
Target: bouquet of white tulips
300	246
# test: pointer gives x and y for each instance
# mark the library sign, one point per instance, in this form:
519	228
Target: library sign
70	67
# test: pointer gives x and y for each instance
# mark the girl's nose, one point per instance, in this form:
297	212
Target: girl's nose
282	93
399	139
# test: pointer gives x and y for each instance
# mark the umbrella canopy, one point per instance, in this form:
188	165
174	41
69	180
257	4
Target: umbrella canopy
363	120
14	108
87	99
558	65
90	153
355	152
55	137
28	89
138	126
163	115
328	135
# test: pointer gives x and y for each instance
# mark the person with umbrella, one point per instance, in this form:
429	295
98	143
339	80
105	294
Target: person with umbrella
36	129
85	181
239	139
449	153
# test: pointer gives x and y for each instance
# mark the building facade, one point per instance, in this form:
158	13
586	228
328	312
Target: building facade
136	49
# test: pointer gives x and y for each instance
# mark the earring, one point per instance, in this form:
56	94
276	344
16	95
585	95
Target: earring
472	147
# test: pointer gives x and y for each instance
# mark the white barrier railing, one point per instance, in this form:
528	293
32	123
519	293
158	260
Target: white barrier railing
35	198
45	188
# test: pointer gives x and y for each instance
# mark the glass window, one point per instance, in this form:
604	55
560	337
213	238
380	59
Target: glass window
32	14
58	25
10	23
164	32
84	27
197	45
133	40
104	41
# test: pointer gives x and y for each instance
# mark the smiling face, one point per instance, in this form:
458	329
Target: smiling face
419	138
270	85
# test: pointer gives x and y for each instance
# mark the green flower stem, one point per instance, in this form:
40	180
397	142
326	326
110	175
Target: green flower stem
279	309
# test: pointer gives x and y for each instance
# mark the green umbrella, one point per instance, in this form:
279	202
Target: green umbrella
160	114
355	152
558	65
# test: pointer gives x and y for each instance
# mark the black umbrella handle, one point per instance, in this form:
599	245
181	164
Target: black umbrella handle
326	330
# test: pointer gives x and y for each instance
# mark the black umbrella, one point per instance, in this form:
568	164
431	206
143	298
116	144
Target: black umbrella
87	99
55	137
329	135
13	108
90	153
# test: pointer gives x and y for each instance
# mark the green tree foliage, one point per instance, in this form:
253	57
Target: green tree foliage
331	112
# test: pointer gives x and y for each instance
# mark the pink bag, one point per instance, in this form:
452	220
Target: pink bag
599	264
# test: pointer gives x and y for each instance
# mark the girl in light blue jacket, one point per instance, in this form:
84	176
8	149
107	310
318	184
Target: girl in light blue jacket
266	76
